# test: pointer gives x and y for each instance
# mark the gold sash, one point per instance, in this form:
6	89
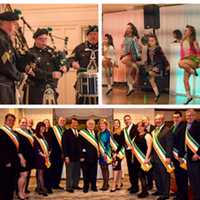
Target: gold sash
28	136
58	135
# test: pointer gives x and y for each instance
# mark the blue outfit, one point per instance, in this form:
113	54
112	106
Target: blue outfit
104	137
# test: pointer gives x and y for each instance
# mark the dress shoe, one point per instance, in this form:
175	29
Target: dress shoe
162	198
113	190
143	195
27	191
133	191
70	190
58	188
156	193
85	190
94	190
77	188
49	191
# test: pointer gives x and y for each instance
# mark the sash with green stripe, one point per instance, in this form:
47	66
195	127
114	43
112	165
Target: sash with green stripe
190	142
140	157
12	136
128	139
114	147
161	152
44	146
106	154
58	133
183	161
26	135
90	138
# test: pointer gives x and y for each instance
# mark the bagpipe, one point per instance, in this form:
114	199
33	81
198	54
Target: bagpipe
58	57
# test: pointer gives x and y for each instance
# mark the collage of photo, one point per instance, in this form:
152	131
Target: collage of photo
99	101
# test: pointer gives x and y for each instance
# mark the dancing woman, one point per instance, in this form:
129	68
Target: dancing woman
109	60
190	58
131	53
157	63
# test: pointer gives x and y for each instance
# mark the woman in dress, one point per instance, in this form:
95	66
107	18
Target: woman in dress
109	60
157	63
143	141
105	152
117	168
190	58
131	53
41	157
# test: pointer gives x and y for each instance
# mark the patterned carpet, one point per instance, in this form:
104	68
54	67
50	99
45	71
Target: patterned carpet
79	195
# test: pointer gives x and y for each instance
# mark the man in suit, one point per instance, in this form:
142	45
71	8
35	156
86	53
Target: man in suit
131	130
178	132
53	138
10	158
193	154
149	128
89	155
71	151
162	177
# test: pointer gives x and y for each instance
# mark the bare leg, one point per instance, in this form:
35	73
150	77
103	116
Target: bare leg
21	184
187	84
108	73
114	183
153	84
119	178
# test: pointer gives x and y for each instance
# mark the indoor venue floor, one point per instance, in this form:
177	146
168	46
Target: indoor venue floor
118	96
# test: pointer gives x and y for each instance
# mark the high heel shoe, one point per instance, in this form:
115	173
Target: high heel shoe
157	98
113	190
188	100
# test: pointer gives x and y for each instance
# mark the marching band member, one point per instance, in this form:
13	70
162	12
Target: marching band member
47	73
54	139
190	58
26	145
71	151
161	157
105	152
89	155
42	161
179	153
118	155
192	141
85	58
11	62
142	145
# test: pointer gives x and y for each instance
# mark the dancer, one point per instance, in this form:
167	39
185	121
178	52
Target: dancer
131	53
190	58
109	60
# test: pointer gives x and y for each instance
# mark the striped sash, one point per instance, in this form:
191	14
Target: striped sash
105	153
161	152
114	147
190	142
28	136
183	162
90	138
12	136
58	133
140	157
128	139
44	146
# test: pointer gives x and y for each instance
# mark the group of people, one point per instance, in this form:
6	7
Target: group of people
43	64
145	52
152	152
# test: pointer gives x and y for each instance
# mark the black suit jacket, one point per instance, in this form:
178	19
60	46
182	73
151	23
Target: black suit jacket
152	127
179	139
71	145
194	132
132	134
165	138
88	151
8	152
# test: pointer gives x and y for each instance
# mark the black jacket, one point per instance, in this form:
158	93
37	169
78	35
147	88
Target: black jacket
88	151
194	132
179	139
71	145
165	138
8	152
